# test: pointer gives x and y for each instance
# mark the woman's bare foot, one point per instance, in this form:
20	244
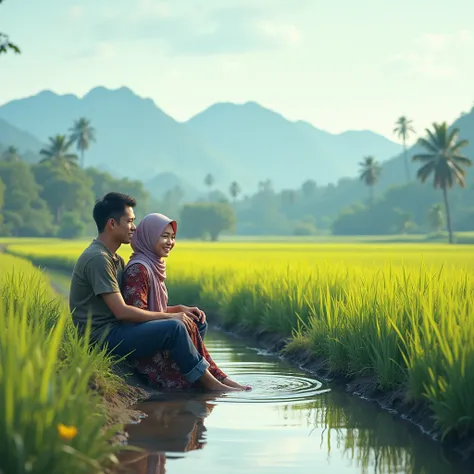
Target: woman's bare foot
209	382
232	383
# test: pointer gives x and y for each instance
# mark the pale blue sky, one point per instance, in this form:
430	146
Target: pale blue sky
339	64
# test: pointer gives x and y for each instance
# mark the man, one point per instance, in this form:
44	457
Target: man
95	295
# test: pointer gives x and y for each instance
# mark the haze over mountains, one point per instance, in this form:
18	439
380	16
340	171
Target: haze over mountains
271	147
12	136
246	143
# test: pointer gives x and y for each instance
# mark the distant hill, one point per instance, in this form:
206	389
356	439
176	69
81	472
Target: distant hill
266	145
13	136
164	182
134	137
247	143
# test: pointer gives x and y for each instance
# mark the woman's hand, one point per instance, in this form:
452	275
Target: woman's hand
194	310
187	318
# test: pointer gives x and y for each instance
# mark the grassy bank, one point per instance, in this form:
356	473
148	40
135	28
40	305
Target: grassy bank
60	404
401	316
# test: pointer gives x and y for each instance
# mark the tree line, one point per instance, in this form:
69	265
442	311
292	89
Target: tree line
442	161
404	208
54	197
60	191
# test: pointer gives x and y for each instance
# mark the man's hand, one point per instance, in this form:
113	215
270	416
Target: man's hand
201	316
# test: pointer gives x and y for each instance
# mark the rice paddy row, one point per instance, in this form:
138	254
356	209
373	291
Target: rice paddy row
402	315
51	420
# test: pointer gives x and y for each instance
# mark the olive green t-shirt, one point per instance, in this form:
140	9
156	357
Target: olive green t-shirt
97	271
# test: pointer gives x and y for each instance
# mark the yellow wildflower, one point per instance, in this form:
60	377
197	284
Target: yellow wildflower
67	432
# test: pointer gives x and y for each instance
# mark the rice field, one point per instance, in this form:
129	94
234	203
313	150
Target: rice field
50	418
400	314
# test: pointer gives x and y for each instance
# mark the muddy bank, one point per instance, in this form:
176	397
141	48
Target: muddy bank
418	414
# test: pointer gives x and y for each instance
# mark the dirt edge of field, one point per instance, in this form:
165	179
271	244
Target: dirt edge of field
418	414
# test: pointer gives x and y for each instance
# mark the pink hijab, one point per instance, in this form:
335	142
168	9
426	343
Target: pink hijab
143	244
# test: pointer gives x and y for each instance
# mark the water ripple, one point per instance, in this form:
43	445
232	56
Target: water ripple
275	388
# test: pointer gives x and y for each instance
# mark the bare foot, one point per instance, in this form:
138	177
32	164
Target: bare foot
232	383
209	382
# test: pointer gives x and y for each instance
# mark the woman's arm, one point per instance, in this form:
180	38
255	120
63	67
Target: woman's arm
135	286
133	307
132	304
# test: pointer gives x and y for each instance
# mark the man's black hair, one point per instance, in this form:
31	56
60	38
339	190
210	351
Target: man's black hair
112	205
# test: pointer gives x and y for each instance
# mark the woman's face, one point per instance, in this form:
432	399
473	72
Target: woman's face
166	242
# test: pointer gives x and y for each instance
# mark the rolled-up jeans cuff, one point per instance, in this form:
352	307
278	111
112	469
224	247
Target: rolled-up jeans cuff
197	371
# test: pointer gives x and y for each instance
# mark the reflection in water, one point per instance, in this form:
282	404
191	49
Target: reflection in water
288	423
368	438
148	463
174	424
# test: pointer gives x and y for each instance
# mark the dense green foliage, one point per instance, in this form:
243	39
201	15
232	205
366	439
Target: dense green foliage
51	420
48	199
281	213
35	198
200	220
401	316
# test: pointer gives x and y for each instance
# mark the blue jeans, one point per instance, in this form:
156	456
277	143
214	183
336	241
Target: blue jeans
145	339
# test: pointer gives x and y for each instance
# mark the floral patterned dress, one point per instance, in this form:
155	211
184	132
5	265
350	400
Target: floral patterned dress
160	369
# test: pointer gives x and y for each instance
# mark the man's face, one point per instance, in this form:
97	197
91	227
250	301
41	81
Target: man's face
124	229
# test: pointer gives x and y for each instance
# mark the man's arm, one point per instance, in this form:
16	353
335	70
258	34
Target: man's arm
124	312
102	275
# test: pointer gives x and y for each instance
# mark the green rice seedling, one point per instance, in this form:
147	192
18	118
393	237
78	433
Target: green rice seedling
49	420
400	314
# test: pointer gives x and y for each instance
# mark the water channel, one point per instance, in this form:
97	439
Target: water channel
289	423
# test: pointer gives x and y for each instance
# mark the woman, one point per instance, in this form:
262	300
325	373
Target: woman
143	286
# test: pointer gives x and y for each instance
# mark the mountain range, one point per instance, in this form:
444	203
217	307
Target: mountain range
243	142
13	136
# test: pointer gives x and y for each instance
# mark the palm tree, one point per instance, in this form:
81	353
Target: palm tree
58	153
82	134
234	190
369	173
265	186
445	161
209	180
11	154
436	217
403	129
